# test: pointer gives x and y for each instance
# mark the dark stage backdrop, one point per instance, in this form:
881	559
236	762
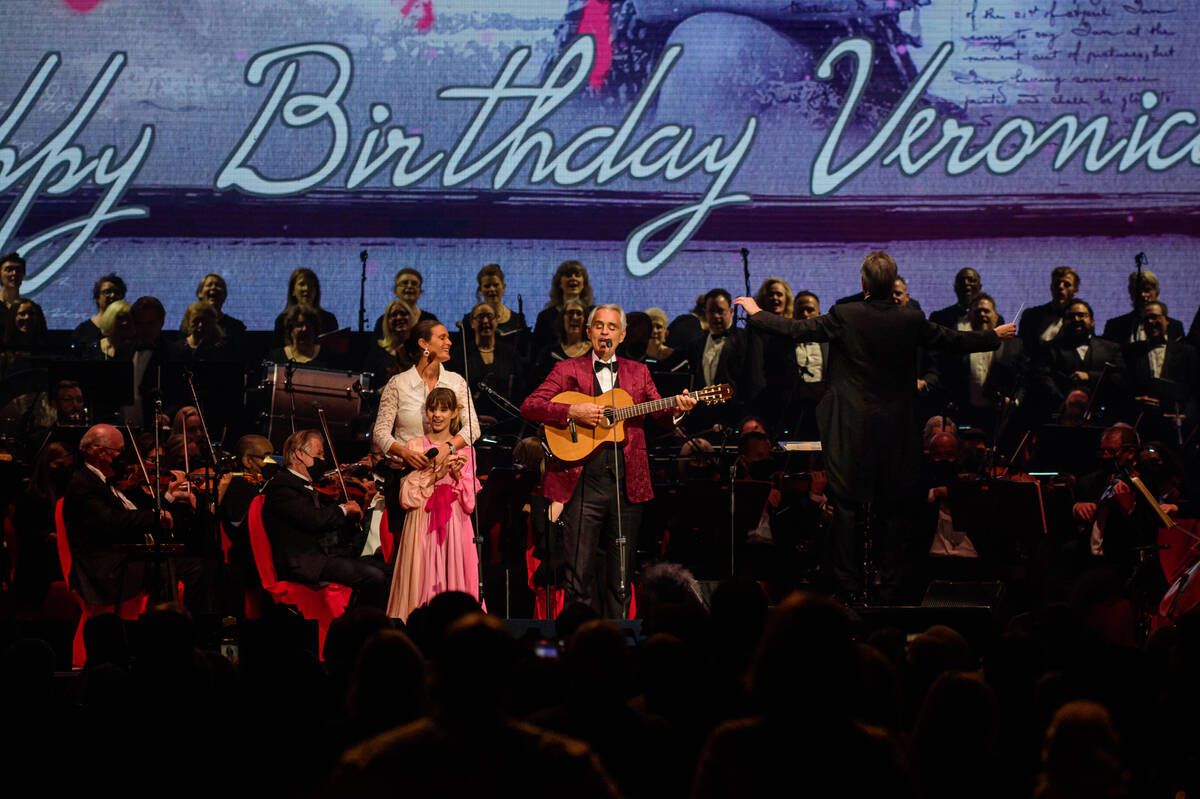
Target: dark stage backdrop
649	139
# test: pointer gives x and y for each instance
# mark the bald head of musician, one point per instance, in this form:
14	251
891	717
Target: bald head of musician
1119	445
100	446
251	450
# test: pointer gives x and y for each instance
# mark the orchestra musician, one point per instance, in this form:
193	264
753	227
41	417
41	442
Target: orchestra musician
99	517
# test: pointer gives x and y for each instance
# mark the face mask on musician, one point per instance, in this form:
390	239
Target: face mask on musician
318	466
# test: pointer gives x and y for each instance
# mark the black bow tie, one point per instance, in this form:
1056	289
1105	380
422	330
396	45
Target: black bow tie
600	366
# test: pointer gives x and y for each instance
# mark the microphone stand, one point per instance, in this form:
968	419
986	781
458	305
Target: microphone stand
362	293
503	404
745	275
212	452
288	369
1139	261
1087	414
210	476
622	542
478	539
172	582
732	503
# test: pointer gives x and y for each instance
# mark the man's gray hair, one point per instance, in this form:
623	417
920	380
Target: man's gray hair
608	306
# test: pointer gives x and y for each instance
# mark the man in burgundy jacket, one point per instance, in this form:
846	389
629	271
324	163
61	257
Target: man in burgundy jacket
590	490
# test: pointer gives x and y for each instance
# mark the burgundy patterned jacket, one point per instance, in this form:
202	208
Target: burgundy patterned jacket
576	374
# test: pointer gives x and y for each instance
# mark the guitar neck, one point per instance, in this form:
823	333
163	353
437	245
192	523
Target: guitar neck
643	408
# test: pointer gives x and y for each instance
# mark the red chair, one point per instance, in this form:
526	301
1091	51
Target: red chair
322	604
129	609
387	541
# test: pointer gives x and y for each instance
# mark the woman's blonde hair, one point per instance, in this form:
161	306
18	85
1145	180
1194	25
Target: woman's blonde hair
388	340
108	319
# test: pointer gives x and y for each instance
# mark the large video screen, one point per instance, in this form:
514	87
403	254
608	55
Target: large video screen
652	140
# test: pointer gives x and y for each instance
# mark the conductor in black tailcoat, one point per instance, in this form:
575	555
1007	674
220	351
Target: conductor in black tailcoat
868	430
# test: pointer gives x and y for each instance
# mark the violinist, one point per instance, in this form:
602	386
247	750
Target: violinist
1116	518
235	491
307	538
100	517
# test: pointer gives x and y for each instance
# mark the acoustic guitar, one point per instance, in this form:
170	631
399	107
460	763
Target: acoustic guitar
576	442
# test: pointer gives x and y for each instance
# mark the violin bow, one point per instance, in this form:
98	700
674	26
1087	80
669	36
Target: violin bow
337	467
136	451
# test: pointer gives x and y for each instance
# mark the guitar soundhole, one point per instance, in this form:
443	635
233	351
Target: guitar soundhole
608	417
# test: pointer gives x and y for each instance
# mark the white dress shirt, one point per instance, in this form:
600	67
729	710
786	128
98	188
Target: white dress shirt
808	357
605	377
712	356
1156	355
401	416
1052	330
126	501
981	366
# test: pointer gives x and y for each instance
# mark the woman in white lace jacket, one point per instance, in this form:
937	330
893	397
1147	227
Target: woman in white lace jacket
401	416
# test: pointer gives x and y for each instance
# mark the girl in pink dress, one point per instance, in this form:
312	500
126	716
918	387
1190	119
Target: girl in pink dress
437	552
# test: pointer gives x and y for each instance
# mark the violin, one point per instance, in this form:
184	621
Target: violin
197	480
339	472
355	478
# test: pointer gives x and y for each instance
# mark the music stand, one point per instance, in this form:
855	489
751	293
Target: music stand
669	384
107	385
18	384
1001	517
220	387
700	530
507	488
335	342
1067	449
1172	399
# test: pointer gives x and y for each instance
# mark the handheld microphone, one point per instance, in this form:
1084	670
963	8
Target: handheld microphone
606	342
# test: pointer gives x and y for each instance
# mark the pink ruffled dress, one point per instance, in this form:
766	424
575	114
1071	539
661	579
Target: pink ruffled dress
437	551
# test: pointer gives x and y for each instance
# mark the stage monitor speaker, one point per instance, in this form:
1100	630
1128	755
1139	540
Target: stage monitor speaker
987	594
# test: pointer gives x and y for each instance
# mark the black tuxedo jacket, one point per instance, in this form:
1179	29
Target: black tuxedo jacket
303	532
951	373
868	432
96	522
948	316
1034	322
1181	364
740	364
1119	329
1059	360
860	297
